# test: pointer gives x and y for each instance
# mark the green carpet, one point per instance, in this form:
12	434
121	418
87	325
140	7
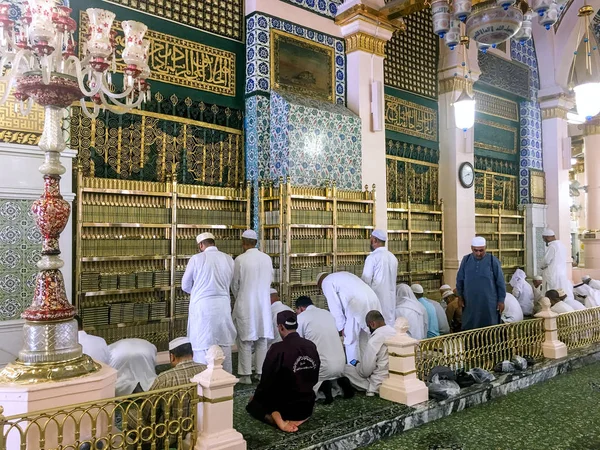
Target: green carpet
562	413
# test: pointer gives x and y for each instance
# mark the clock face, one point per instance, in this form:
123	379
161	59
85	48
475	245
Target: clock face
466	175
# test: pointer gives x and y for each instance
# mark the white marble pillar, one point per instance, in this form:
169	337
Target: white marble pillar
557	162
366	34
591	240
456	148
536	221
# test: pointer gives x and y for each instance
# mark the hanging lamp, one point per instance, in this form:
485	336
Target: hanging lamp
464	106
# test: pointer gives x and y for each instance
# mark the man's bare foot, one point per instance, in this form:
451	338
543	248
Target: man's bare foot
284	425
297	423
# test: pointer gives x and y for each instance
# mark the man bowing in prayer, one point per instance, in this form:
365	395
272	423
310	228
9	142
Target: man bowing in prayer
276	307
349	300
207	279
554	266
522	291
252	274
380	272
285	397
480	287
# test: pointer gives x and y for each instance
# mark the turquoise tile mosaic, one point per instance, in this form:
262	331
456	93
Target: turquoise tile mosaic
20	250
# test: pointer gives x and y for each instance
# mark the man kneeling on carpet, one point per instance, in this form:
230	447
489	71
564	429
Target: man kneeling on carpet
368	374
285	397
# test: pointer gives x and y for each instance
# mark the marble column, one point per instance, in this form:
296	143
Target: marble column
456	148
591	239
536	248
557	162
366	32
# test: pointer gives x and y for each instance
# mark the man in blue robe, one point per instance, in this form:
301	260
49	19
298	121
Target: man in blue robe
480	287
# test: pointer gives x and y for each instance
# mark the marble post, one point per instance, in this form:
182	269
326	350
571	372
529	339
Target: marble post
557	162
403	386
215	410
591	240
536	220
366	33
552	347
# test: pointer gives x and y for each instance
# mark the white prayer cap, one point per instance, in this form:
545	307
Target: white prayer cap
447	294
538	278
445	287
204	236
478	241
417	288
322	274
177	342
585	278
379	234
250	234
273	291
547	232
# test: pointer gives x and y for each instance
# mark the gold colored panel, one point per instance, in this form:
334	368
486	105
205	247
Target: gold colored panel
496	148
410	118
16	128
366	43
493	105
537	186
180	62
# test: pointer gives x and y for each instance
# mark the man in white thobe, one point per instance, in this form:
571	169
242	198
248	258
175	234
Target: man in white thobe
557	305
349	299
135	362
318	325
380	272
576	305
368	373
207	279
408	306
522	291
93	346
512	309
586	295
276	307
554	266
252	275
594	284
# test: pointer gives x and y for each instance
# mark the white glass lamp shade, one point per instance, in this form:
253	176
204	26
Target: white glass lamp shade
41	28
464	111
587	99
99	44
134	53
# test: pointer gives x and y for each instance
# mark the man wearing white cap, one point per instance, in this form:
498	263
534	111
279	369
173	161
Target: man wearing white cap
135	362
594	284
380	272
522	291
207	279
538	293
433	327
480	287
252	275
554	266
349	300
276	307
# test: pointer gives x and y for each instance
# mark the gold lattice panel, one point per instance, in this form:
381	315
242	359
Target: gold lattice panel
17	128
411	57
222	17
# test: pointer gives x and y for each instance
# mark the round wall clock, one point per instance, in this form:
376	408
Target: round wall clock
466	175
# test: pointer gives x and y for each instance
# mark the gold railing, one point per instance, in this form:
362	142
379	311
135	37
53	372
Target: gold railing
579	328
154	420
483	347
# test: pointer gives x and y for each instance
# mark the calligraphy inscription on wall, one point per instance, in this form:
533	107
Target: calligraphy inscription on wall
410	118
495	136
179	61
17	128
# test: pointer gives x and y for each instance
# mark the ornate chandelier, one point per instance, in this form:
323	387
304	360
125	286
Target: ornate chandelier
38	61
490	22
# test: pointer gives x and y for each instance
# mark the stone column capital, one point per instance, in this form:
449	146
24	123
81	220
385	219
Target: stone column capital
592	127
366	28
555	106
455	84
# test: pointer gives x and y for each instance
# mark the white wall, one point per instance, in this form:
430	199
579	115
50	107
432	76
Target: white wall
21	180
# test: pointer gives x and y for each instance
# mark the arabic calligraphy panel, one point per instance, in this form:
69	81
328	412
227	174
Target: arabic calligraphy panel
410	118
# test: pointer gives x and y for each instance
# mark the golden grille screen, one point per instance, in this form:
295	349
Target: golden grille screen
221	17
411	57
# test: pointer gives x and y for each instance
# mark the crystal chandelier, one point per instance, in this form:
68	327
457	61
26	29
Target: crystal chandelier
587	94
38	62
490	22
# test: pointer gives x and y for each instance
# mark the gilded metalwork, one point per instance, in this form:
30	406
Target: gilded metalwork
221	17
151	146
483	347
579	328
411	181
410	118
16	128
21	373
162	418
369	15
556	112
366	43
304	83
537	186
411	58
493	147
456	84
493	105
510	76
179	61
496	189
